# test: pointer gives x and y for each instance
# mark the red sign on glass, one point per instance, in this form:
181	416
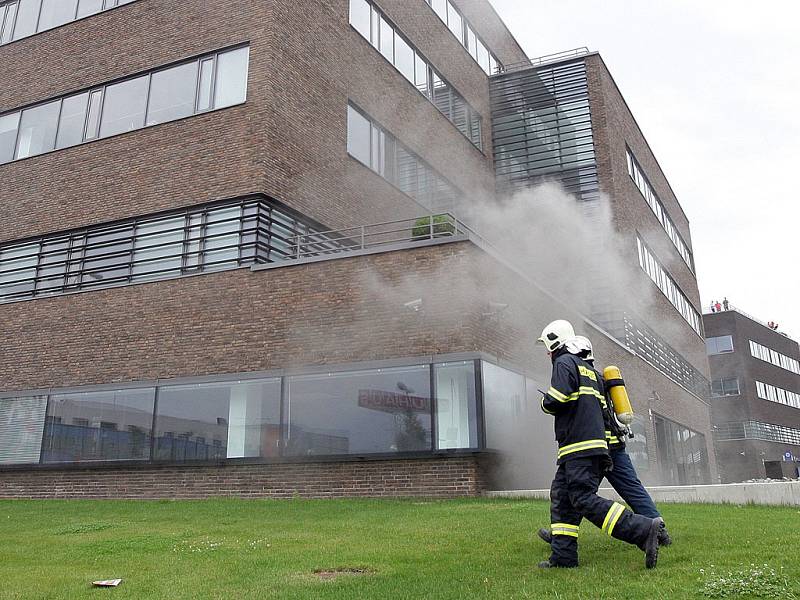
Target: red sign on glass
392	401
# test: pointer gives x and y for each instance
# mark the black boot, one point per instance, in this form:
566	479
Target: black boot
545	535
546	564
651	543
664	538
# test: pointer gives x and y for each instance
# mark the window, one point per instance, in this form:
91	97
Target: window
725	387
211	237
776	358
379	150
456	416
166	95
719	345
215	421
21	425
23	18
172	94
454	22
769	392
412	65
99	426
360	412
231	77
37	129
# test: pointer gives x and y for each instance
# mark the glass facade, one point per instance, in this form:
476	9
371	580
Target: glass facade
372	145
209	82
465	34
722	344
23	18
773	393
667	285
757	430
641	181
393	410
776	358
542	128
682	453
211	237
371	23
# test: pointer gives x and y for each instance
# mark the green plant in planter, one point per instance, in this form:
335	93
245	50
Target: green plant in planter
442	225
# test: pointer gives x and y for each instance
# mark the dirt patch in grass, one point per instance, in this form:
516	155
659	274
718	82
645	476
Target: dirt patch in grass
326	574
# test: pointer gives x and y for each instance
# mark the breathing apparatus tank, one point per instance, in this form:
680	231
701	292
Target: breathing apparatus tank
619	395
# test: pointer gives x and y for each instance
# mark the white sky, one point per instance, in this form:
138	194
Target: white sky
715	87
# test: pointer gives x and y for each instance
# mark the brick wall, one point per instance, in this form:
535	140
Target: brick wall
422	477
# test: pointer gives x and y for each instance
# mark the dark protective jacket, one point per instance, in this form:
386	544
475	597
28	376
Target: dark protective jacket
575	399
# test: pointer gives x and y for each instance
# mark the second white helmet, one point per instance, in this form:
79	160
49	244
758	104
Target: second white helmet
556	334
580	345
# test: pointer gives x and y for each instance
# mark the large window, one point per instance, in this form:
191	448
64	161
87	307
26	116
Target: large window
149	99
465	34
721	344
776	358
215	421
758	430
376	411
667	285
99	426
23	18
772	393
639	178
725	387
378	149
223	235
383	35
682	453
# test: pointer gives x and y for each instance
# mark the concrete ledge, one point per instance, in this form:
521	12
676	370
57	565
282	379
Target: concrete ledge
783	493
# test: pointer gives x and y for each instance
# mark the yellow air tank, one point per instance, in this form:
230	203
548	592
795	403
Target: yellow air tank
619	395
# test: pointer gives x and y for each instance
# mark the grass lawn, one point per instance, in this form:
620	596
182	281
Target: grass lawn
472	548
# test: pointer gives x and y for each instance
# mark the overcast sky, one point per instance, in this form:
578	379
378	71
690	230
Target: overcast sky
715	87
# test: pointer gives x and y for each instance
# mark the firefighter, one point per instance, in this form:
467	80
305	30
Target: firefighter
574	399
622	477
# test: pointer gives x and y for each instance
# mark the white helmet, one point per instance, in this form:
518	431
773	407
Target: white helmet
556	334
580	344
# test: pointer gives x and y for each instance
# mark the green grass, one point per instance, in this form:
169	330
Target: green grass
473	548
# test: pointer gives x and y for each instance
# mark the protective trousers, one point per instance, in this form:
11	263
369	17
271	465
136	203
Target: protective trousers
573	496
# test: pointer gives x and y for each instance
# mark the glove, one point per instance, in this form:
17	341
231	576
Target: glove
606	464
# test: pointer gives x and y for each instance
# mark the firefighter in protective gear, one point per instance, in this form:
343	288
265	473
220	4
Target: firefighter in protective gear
575	399
622	477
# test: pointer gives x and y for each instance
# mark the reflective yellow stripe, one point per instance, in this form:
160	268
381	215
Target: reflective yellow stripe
564	532
611	439
557	395
587	372
544	409
590	391
578	446
612	516
564	526
615	519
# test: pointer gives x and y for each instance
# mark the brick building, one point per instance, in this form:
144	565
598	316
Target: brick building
219	273
755	389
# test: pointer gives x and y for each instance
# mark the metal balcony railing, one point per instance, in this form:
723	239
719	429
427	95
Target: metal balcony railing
543	60
377	235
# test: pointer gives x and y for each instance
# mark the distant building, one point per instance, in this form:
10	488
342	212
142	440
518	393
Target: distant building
755	385
210	216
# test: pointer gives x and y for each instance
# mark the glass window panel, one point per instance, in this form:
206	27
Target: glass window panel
377	147
158	248
206	84
93	120
89	7
21	426
483	56
364	412
37	129
231	85
440	6
358	136
8	136
27	15
456	412
172	94
52	266
360	17
441	94
472	43
387	40
454	22
221	244
56	12
72	121
421	74
107	256
18	270
214	421
7	13
99	426
493	65
124	106
404	58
